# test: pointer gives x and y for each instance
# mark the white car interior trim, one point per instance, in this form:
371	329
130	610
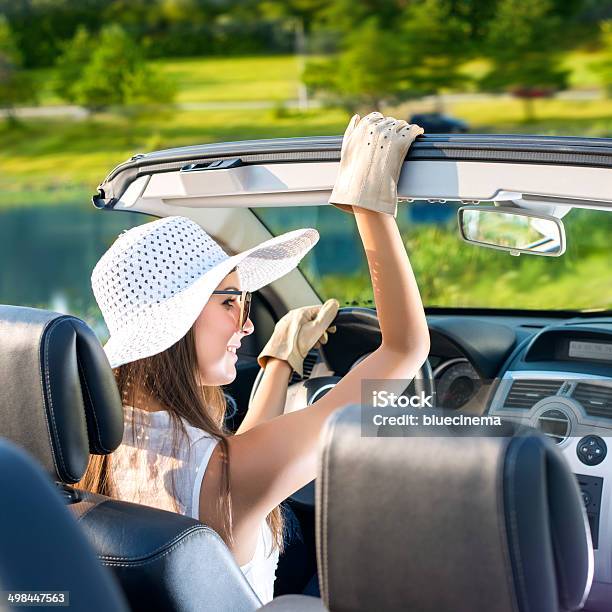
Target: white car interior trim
303	183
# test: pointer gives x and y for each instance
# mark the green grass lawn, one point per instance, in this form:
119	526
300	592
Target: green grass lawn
214	79
276	78
233	79
552	116
579	63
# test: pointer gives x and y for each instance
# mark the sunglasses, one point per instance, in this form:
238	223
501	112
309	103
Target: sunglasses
245	305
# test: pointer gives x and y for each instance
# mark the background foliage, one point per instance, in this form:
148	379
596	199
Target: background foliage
85	84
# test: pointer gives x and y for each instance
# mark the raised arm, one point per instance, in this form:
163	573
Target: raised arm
398	302
274	459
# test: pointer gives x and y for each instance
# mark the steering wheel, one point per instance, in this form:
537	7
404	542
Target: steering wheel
351	323
318	386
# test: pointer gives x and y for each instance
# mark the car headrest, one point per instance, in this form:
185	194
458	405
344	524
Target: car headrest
42	545
58	396
448	523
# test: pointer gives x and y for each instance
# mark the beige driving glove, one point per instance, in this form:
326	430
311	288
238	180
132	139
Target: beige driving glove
298	332
373	151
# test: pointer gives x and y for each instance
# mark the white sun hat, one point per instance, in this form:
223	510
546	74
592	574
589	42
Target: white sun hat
156	278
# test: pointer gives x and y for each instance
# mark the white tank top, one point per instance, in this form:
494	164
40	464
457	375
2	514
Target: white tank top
143	475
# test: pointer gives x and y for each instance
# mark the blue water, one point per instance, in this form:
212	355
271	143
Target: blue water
47	254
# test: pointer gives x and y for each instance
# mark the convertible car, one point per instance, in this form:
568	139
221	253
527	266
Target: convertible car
508	238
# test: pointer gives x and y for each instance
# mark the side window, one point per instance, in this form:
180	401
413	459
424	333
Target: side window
47	254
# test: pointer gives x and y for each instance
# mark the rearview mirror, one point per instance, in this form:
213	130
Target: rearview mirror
511	229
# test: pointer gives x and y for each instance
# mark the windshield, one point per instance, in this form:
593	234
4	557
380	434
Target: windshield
451	272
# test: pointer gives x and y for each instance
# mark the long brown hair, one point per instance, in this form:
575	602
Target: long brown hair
170	378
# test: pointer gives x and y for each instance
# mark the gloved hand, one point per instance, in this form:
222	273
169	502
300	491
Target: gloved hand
373	151
299	331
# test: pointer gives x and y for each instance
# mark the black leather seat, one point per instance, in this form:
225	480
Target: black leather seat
59	401
440	524
42	549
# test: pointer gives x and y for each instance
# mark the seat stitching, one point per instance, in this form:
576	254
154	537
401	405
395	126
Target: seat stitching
503	532
135	561
91	403
560	569
172	542
50	330
43	386
513	517
325	501
559	565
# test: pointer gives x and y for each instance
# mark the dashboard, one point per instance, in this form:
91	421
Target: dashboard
456	380
547	372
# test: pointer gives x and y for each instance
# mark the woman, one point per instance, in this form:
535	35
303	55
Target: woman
177	310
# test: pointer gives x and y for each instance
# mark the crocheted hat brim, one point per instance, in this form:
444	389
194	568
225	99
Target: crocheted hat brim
156	327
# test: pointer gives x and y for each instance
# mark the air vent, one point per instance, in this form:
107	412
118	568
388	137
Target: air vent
555	424
524	393
309	363
596	399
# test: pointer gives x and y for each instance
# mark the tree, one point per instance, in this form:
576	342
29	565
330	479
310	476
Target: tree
109	71
307	11
523	44
604	67
15	85
416	54
357	77
347	15
75	55
436	43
